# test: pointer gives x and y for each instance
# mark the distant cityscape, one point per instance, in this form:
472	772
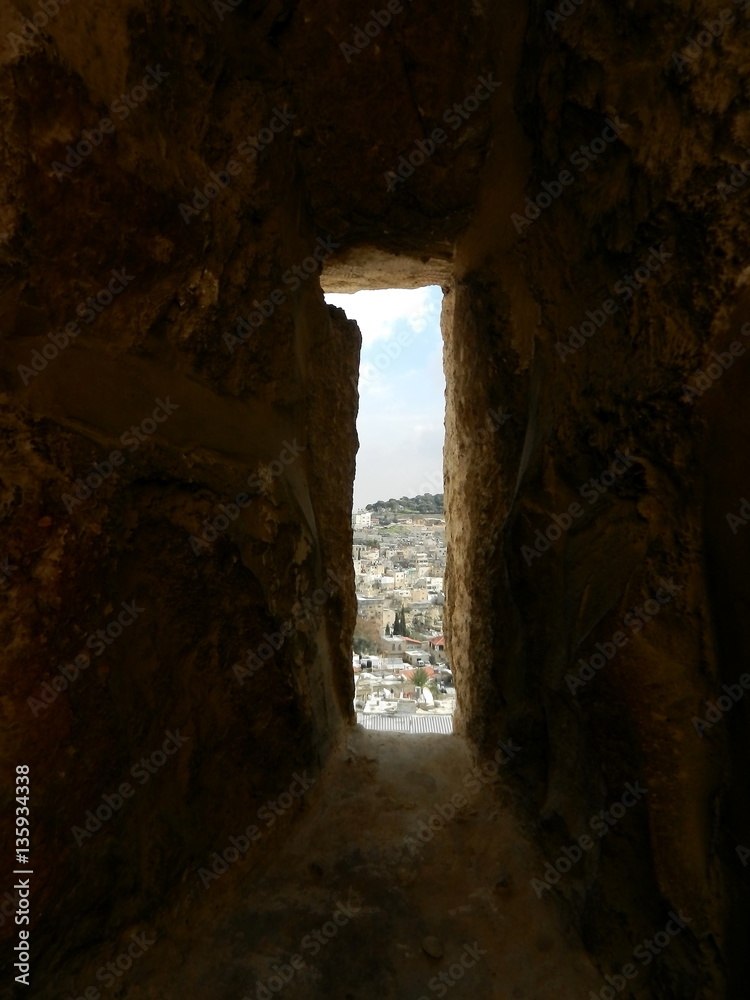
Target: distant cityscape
399	660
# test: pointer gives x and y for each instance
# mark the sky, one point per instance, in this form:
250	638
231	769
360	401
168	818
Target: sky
401	392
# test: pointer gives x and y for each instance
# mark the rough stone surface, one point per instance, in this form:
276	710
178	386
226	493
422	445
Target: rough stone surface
347	897
518	625
345	272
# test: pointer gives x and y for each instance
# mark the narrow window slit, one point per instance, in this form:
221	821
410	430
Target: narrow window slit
403	678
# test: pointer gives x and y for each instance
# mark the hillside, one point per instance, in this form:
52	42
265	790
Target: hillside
427	503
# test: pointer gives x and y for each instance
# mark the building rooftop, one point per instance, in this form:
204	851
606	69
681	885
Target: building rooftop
415	724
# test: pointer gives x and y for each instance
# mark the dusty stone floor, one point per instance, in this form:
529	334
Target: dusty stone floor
354	894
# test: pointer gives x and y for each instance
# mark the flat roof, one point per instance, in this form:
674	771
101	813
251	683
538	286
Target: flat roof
406	723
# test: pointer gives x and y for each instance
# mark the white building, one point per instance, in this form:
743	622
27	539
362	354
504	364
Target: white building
362	519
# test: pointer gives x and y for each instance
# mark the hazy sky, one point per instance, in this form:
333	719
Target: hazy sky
402	398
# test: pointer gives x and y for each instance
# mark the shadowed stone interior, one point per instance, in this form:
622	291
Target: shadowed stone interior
265	410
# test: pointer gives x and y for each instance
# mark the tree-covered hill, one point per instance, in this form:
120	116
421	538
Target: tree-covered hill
427	503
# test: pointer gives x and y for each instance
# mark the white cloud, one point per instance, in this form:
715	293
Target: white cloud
378	312
402	393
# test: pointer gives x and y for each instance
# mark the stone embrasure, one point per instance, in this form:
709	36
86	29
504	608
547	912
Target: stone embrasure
169	173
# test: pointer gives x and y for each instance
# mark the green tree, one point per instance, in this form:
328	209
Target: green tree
404	630
420	677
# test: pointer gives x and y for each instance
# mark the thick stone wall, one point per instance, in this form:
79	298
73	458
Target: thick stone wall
551	328
172	94
156	452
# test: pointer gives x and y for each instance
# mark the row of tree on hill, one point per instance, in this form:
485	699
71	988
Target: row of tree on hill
427	503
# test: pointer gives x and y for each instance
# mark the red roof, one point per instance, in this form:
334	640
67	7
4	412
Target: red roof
410	673
439	640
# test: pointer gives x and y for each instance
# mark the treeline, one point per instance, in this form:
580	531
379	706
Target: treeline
427	503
